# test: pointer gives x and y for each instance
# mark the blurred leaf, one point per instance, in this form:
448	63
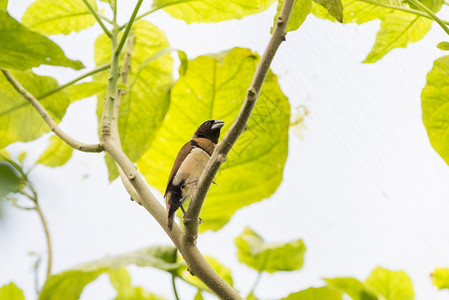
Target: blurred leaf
322	293
214	87
69	284
251	296
222	270
352	287
440	278
209	11
298	121
397	31
443	46
9	179
121	280
143	107
21	157
333	7
301	10
273	257
198	295
183	62
57	153
56	17
434	5
23	49
19	121
11	292
435	108
3	4
390	285
85	89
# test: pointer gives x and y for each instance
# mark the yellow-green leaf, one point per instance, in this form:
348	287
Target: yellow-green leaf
301	10
11	292
435	106
269	257
390	285
19	121
68	285
58	17
434	5
222	270
211	10
214	87
85	89
121	280
440	278
57	153
3	4
352	287
333	7
143	107
322	293
397	30
23	49
443	46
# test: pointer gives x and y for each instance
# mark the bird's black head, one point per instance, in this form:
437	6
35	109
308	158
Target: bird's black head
209	130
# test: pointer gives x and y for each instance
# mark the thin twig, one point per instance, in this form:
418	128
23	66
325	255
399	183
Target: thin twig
128	27
255	284
97	17
173	283
65	85
430	14
48	119
47	236
239	125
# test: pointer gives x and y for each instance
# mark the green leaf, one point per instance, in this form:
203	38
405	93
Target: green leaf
214	87
143	107
23	49
69	284
390	285
85	89
434	5
19	121
121	280
269	257
183	62
435	106
57	153
397	30
21	157
58	17
352	287
198	295
3	4
222	270
301	10
443	46
209	11
322	293
333	7
11	292
440	278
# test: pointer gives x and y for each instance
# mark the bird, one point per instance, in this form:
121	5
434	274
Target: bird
188	166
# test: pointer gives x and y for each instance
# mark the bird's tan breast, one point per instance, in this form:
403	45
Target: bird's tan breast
192	166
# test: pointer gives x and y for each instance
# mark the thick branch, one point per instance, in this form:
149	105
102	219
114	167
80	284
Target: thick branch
97	17
239	125
48	119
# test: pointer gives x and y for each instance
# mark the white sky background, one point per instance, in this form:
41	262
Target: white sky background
363	188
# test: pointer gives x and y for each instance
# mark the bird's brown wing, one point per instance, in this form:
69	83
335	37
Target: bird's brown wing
178	161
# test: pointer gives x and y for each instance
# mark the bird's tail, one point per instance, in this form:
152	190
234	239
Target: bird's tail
172	207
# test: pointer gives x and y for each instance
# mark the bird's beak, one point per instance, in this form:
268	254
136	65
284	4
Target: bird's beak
218	124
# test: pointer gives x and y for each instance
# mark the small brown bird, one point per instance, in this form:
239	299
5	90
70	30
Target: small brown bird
189	164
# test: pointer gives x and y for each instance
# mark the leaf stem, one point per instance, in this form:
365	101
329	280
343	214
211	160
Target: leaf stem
128	27
239	125
48	119
256	283
61	87
48	238
430	14
408	10
97	17
173	282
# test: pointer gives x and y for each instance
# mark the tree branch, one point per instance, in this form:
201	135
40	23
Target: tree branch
239	125
430	14
48	119
97	17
